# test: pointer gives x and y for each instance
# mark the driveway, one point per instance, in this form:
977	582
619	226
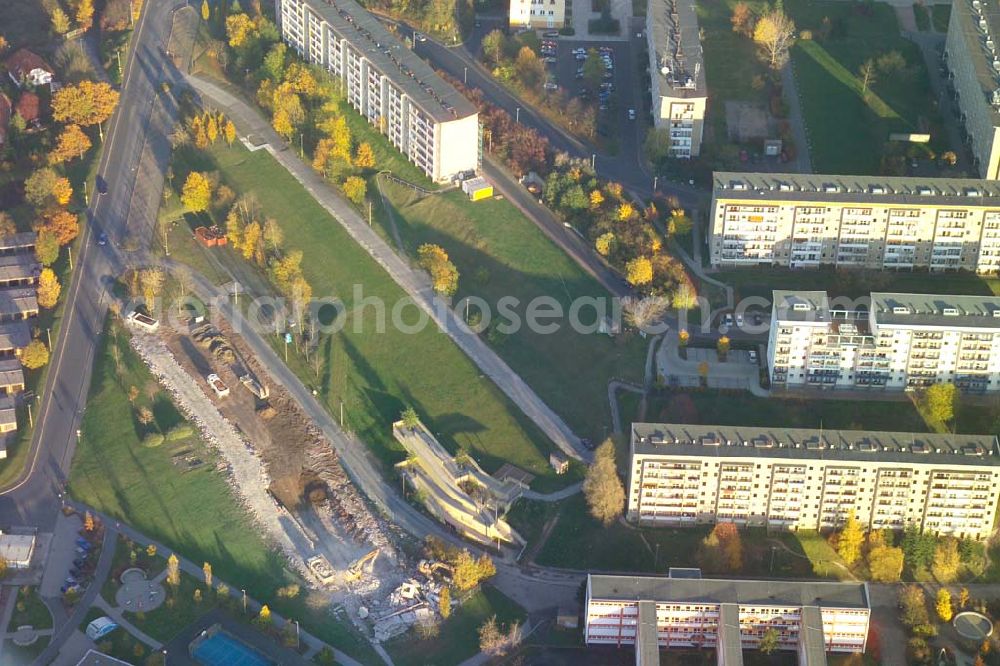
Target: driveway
737	372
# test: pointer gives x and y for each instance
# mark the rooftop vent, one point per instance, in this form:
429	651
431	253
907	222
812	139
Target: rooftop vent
709	441
973	192
924	191
831	188
920	447
785	187
876	189
900	310
763	443
951	312
738	185
801	307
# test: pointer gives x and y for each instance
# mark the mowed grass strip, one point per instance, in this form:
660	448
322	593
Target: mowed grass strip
193	512
377	370
500	254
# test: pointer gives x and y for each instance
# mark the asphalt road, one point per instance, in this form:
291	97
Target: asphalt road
34	498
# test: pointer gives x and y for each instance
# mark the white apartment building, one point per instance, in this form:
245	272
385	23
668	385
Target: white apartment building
872	222
974	69
792	479
537	14
727	615
425	118
886	341
677	71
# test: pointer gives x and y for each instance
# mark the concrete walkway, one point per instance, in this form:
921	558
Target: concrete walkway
738	372
413	282
115	613
803	160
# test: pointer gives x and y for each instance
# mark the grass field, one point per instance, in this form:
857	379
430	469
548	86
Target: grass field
193	512
923	16
761	280
459	637
29	610
500	253
849	129
940	16
377	374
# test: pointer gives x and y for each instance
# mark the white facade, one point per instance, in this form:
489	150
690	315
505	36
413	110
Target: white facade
540	14
887	341
678	88
878	223
425	118
691	613
792	479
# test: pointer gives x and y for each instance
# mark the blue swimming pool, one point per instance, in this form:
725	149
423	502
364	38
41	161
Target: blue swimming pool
222	649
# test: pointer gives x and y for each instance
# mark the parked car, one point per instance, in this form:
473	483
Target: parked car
739	320
550	33
727	320
752	355
550	86
631	114
102	238
102	185
550	60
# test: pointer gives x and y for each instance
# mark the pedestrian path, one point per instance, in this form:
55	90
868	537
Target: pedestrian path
115	613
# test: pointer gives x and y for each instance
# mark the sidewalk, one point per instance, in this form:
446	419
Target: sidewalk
738	372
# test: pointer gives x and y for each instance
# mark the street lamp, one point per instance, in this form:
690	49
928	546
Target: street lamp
517	115
244	602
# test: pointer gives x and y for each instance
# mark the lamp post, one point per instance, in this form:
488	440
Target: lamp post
244	601
517	115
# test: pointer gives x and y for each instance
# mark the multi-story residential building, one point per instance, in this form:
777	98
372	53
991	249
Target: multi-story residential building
792	479
678	75
550	14
727	615
872	222
974	69
423	116
886	341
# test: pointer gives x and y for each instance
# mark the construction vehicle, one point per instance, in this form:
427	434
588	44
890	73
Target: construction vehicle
255	387
363	565
221	390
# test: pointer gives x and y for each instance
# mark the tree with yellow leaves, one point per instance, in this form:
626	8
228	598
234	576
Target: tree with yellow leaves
355	189
321	156
850	539
775	33
444	275
72	144
85	14
625	211
943	605
35	355
364	157
45	187
206	11
196	195
211	127
596	199
264	617
239	29
299	79
173	570
604	243
288	114
229	131
64	225
252	247
60	22
86	103
88	521
48	288
206	569
639	271
151	280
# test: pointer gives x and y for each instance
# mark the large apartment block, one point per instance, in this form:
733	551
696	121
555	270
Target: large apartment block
549	14
792	479
974	68
885	342
423	116
872	222
676	67
729	616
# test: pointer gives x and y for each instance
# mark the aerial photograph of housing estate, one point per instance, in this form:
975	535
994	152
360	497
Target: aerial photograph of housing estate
499	332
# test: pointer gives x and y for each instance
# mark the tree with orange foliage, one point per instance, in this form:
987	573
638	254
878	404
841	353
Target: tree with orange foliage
64	225
48	288
72	144
87	103
45	187
722	550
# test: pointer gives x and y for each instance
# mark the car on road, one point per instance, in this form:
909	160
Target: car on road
631	114
752	355
550	33
549	85
101	184
727	321
102	238
420	37
739	320
550	60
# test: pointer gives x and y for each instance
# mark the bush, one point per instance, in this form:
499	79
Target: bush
152	439
180	431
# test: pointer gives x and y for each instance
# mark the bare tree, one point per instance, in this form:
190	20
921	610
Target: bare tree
642	313
496	642
775	33
867	74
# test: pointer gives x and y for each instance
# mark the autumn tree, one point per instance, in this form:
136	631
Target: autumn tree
494	641
774	32
264	617
88	521
722	346
444	275
850	539
939	402
85	14
770	639
355	189
206	12
46	247
71	145
913	606
86	103
64	225
444	602
604	243
742	19
942	605
946	560
642	313
7	226
885	563
206	569
529	67
252	246
468	572
229	131
493	46
151	280
602	488
45	188
173	570
364	157
963	598
639	271
60	21
48	288
196	195
273	235
722	550
35	355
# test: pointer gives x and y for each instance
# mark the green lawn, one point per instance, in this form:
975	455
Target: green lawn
849	129
501	253
376	374
459	637
29	610
940	16
119	643
922	16
169	619
761	280
192	511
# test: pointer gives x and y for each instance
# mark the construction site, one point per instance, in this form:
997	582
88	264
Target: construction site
288	477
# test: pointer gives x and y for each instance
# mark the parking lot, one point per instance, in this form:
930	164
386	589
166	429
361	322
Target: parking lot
566	73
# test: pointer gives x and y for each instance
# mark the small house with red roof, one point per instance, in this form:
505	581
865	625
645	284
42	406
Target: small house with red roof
29	108
5	110
24	66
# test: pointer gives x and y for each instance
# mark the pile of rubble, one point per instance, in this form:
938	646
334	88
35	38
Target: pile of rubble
245	471
414	601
